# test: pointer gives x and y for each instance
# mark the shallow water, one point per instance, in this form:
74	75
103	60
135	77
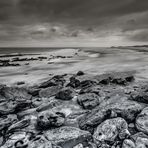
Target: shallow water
90	60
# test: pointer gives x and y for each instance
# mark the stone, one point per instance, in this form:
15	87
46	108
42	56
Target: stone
54	81
14	93
65	94
121	106
49	92
68	137
142	121
127	143
80	73
88	100
110	129
49	119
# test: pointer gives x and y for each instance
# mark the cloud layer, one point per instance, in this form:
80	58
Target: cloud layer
44	21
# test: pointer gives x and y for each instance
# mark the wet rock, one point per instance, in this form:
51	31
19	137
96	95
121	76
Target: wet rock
120	105
68	137
110	129
142	121
21	83
74	83
80	73
88	100
49	92
49	119
57	80
65	94
79	146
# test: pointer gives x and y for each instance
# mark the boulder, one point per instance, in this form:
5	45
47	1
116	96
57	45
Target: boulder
49	119
65	94
120	106
80	73
142	121
111	129
68	137
49	92
127	143
88	100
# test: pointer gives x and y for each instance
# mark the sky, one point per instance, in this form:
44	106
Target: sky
56	23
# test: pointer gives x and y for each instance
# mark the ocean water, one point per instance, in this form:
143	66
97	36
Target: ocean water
90	60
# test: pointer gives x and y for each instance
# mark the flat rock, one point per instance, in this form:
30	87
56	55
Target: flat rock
68	137
49	92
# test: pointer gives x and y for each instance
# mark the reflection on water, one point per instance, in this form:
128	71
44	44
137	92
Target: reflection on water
94	60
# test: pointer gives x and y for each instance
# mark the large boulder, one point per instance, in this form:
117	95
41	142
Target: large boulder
88	100
111	129
68	137
49	119
142	121
117	105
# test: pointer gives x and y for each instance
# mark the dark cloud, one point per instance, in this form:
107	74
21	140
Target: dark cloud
80	18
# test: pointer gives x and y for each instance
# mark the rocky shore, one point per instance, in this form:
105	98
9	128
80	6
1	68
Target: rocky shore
76	111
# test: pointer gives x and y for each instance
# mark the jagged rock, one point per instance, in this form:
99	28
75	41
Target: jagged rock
68	137
88	100
127	143
142	121
79	146
55	81
120	105
110	129
74	82
65	94
48	119
49	92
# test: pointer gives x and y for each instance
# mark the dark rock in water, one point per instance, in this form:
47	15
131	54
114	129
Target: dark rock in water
49	119
55	81
111	129
33	91
74	82
68	137
65	94
88	100
142	121
49	92
120	105
80	73
20	83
